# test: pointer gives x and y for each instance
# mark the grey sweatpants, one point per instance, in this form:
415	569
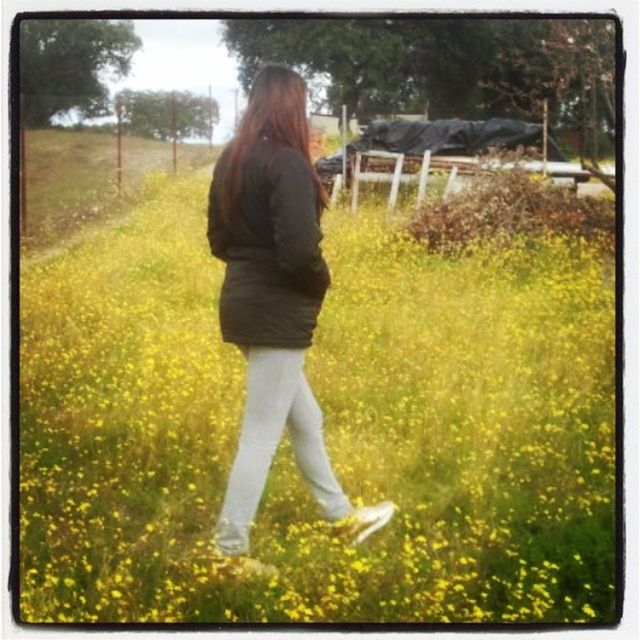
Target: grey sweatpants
277	394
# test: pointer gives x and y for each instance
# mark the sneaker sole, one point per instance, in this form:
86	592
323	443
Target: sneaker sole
375	525
242	571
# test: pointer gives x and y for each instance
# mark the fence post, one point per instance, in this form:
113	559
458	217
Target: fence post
594	122
395	184
355	182
545	135
235	125
119	144
424	175
174	131
23	168
448	189
210	121
344	145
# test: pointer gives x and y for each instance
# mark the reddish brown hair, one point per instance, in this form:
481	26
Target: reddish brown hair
276	109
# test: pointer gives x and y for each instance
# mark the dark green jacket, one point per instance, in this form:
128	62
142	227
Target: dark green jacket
275	278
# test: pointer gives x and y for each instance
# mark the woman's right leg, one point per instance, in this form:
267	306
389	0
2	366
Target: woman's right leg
305	422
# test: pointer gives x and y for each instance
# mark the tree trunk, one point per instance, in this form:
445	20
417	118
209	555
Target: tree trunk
609	112
594	123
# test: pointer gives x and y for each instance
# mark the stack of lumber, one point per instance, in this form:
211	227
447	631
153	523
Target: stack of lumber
468	165
412	164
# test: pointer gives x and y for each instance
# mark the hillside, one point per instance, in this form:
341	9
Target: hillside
72	184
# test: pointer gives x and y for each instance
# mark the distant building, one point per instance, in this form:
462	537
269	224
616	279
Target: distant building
330	125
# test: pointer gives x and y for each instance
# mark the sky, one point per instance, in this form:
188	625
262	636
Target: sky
186	55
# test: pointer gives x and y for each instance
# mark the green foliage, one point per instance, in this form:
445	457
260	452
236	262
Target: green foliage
63	64
465	68
561	60
375	65
153	114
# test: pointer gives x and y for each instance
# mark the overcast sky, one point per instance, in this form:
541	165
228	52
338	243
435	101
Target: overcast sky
186	55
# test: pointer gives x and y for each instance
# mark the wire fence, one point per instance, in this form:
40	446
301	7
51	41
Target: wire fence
78	170
81	165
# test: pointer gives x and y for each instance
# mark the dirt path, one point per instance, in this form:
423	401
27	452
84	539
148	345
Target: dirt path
62	247
45	255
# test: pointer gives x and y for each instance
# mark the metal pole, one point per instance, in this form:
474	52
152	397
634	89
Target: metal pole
236	122
545	137
594	118
174	131
23	168
210	120
344	145
119	144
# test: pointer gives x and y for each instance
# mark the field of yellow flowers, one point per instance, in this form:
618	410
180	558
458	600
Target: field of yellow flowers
477	393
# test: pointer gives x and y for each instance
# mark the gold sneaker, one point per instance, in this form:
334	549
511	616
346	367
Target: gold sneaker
363	521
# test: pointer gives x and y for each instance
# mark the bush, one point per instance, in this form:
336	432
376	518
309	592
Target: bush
509	203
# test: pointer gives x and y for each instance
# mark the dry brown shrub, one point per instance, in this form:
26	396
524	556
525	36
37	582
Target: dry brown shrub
507	203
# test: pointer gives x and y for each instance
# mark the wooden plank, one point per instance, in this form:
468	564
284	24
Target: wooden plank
415	162
356	180
554	168
395	185
376	153
337	187
424	173
379	176
450	181
455	159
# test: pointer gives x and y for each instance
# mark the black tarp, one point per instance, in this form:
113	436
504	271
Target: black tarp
443	137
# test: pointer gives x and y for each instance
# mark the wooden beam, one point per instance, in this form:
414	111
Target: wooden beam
356	182
376	153
337	187
380	176
424	173
395	185
452	177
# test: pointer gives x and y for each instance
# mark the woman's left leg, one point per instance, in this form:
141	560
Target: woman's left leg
272	379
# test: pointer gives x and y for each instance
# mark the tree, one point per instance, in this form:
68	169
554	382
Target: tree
151	114
374	65
63	64
446	67
569	62
444	61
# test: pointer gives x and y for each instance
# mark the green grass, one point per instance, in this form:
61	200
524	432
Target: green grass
477	393
71	179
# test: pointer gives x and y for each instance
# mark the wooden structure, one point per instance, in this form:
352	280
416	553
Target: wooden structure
380	172
396	168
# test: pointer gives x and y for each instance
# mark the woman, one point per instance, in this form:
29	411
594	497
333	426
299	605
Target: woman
264	208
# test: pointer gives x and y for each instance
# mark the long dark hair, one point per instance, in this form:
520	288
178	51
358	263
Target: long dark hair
276	109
